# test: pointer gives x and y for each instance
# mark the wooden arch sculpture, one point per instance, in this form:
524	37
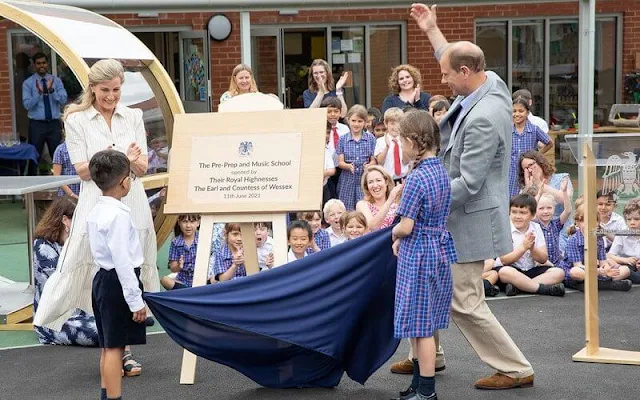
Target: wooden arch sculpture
81	37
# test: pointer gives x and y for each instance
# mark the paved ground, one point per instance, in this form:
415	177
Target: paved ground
548	330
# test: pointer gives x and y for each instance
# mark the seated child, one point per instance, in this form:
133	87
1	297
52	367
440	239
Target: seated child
158	154
320	237
490	279
388	150
625	250
551	227
353	224
333	210
328	190
609	219
182	252
264	245
229	262
299	236
520	270
609	277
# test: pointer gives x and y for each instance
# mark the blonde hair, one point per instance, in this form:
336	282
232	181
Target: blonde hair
313	85
102	71
547	196
333	202
233	86
359	111
393	114
365	188
413	71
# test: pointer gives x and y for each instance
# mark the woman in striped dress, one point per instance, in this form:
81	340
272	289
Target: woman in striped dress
95	123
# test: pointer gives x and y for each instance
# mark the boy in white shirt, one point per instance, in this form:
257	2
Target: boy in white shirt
264	245
116	291
625	250
388	151
609	219
333	210
299	238
521	269
334	110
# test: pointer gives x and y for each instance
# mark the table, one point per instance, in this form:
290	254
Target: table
27	185
18	152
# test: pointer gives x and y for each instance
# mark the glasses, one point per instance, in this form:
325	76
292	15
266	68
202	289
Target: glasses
530	165
319	73
131	176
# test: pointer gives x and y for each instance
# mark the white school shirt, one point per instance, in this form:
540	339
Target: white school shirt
526	262
616	223
292	257
626	246
115	244
389	160
263	253
329	161
342	130
333	238
539	122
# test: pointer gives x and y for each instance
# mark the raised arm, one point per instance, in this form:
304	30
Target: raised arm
426	19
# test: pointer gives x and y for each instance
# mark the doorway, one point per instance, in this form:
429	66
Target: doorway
281	59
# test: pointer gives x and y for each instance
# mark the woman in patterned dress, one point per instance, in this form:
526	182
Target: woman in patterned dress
355	154
95	123
424	286
381	198
241	82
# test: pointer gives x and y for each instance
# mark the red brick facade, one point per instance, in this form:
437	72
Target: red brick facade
457	23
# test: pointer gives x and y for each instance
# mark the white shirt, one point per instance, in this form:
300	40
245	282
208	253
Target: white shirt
263	253
526	262
292	257
115	244
389	160
329	161
333	238
626	246
342	130
616	223
539	122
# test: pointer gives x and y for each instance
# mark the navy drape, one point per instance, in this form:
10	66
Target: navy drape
300	325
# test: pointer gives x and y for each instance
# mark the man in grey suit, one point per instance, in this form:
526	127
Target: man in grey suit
475	147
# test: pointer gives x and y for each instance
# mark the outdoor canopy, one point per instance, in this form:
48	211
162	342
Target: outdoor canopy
299	325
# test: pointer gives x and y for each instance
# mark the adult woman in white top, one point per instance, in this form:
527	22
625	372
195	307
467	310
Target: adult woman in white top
242	82
95	123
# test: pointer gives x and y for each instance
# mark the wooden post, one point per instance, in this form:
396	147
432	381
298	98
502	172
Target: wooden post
590	253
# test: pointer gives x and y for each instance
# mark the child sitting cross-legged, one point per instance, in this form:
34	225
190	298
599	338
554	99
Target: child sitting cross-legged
551	227
625	250
610	277
229	261
521	269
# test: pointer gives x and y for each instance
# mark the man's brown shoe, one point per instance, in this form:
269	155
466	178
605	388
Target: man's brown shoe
499	381
404	367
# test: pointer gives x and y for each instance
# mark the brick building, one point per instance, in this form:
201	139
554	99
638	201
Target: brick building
531	45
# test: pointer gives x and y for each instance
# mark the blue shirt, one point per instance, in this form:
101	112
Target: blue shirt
308	97
394	100
179	249
61	157
33	100
224	261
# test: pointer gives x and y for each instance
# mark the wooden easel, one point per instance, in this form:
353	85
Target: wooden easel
308	125
592	352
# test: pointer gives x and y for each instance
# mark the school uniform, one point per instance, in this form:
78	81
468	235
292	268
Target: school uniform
223	261
116	289
333	238
539	122
521	143
627	246
356	152
263	253
179	248
61	157
321	238
551	234
615	223
292	257
393	161
526	264
337	132
328	189
574	253
424	285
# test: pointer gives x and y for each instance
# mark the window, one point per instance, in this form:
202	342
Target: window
347	51
385	48
526	43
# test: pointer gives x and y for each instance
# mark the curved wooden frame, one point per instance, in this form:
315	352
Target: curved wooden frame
156	76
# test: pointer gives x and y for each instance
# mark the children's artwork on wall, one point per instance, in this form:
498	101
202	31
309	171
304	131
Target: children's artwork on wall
195	70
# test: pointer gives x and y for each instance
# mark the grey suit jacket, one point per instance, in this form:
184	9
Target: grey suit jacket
477	156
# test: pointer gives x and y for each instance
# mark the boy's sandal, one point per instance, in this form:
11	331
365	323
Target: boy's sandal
130	366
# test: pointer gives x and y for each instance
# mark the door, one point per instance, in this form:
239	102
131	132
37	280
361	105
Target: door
300	46
266	61
195	87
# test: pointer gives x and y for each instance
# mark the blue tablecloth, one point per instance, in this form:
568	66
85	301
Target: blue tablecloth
22	151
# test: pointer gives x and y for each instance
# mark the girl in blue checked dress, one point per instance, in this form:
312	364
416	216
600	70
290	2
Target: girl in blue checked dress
182	253
355	152
425	250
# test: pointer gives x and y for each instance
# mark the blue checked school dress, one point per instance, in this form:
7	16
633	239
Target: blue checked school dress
179	249
358	153
521	143
575	253
424	286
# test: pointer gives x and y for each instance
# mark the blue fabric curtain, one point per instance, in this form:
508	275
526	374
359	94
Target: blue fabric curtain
300	325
